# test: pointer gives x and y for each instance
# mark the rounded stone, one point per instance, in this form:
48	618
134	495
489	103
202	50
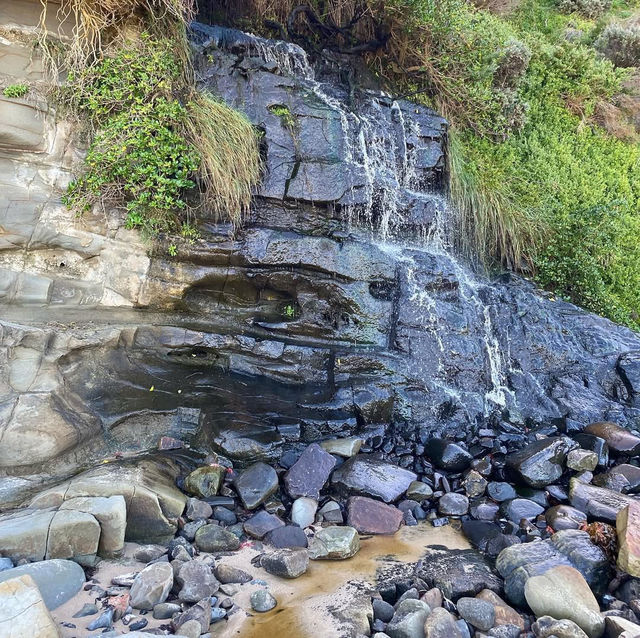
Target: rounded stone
262	601
453	504
477	612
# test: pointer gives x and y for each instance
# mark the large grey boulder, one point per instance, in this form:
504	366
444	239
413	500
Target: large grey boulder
151	586
256	484
334	543
58	580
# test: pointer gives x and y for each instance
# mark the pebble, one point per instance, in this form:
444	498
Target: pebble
262	601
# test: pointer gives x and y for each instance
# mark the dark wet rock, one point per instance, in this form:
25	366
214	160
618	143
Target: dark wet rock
373	517
548	627
205	481
598	502
582	460
286	563
474	484
287	536
564	517
164	611
58	580
382	610
88	609
419	491
562	592
228	574
500	491
477	612
611	481
334	543
147	553
441	624
447	455
200	612
595	444
568	547
256	484
453	504
260	524
480	533
484	510
618	439
364	475
309	473
518	508
408	620
540	463
196	582
262	601
198	509
151	586
458	573
629	480
180	542
496	544
138	624
331	512
213	538
224	515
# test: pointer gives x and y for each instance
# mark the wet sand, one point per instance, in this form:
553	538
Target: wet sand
319	604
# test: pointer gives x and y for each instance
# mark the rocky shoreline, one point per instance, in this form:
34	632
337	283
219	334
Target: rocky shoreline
554	527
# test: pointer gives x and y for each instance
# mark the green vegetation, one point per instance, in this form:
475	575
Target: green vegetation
544	154
284	113
15	90
158	148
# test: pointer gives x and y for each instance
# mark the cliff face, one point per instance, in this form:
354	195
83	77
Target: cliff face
337	308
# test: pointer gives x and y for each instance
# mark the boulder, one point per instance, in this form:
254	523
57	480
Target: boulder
441	624
346	448
598	502
111	514
628	529
540	463
563	593
151	586
260	524
213	538
303	511
286	563
256	484
205	481
308	475
368	476
287	536
408	620
373	517
618	439
447	455
58	580
477	612
334	543
23	612
195	581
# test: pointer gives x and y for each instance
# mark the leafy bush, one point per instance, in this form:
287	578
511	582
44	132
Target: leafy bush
15	90
587	8
154	139
621	44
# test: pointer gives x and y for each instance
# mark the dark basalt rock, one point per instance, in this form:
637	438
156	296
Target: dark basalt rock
309	473
364	475
518	508
539	463
256	484
500	491
618	439
259	525
458	573
595	444
289	536
447	455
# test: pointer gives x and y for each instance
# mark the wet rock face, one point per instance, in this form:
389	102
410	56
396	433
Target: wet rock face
300	326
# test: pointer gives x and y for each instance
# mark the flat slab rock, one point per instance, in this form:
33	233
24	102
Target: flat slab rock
599	502
458	572
363	475
571	547
373	517
308	475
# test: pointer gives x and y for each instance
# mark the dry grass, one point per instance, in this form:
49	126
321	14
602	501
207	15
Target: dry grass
230	156
489	226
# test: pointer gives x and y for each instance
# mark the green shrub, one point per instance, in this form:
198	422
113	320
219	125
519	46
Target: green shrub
621	44
15	90
587	8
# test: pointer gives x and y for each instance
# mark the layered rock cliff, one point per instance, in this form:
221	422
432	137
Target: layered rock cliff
337	308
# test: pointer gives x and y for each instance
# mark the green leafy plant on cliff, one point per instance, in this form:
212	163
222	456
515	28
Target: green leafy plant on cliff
15	90
158	148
